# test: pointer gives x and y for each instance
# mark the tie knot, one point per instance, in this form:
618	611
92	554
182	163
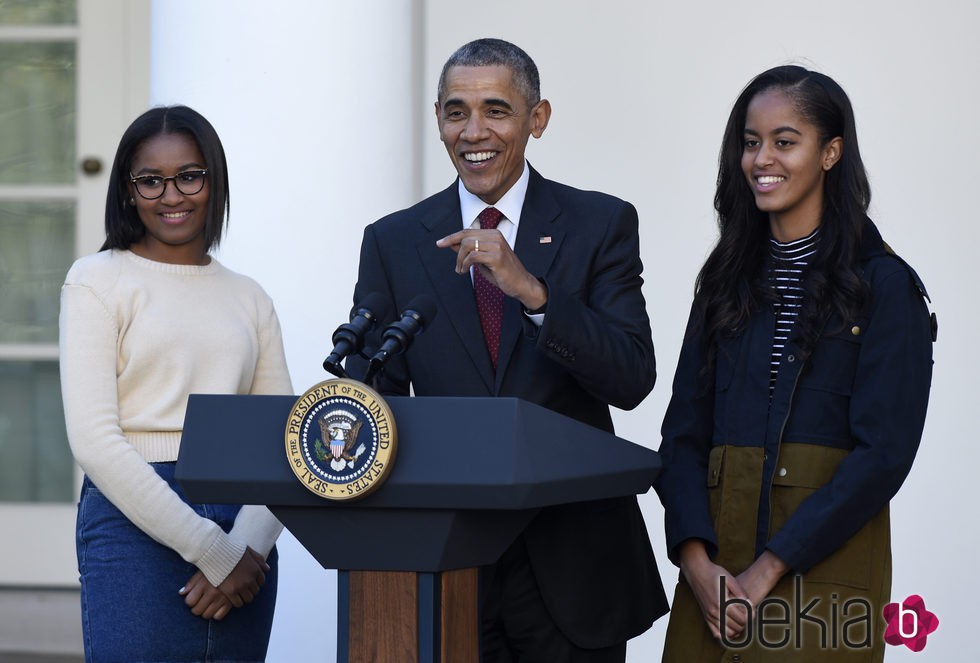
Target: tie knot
489	218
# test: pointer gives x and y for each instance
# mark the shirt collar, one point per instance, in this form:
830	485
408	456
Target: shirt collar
510	204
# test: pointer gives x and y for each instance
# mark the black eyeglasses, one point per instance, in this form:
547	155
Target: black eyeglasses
187	182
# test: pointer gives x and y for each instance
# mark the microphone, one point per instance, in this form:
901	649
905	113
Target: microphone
398	336
349	337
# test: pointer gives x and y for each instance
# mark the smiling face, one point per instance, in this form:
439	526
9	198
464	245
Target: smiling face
784	164
175	221
485	123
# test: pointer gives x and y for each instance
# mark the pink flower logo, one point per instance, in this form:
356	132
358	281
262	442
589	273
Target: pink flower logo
909	623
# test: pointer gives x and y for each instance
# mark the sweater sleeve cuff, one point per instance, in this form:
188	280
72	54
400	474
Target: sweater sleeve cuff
221	558
257	528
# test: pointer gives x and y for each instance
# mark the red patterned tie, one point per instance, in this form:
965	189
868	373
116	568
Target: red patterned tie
489	298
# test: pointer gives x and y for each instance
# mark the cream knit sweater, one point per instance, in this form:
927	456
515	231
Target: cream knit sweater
137	337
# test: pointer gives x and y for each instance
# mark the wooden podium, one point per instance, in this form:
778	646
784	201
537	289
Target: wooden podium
469	475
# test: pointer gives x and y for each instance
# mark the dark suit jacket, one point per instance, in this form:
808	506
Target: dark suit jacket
592	560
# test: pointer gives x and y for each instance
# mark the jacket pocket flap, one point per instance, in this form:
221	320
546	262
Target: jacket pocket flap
806	465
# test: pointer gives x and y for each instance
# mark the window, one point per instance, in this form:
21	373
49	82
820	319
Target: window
38	45
73	74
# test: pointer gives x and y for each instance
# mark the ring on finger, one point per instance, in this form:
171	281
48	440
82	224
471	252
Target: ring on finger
476	245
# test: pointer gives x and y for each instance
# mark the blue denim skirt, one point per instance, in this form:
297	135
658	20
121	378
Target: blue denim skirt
131	611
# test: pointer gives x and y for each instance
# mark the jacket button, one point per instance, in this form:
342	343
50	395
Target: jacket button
791	358
855	330
782	471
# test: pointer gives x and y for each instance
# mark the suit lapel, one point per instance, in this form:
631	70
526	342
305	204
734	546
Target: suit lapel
538	238
454	292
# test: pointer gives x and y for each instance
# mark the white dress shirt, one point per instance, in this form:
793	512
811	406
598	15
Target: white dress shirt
510	205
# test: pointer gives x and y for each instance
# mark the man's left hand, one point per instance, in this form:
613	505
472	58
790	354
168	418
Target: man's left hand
489	251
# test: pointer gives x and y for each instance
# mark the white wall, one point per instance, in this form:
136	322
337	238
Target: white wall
322	114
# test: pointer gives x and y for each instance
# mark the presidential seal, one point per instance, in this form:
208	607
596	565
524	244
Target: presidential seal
341	439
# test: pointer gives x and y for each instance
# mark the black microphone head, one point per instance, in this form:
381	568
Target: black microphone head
398	336
375	303
424	309
349	337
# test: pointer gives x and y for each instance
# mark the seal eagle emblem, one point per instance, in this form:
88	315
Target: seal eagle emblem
341	428
340	439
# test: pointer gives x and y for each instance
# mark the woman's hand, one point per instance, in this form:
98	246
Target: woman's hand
239	588
246	579
705	578
204	599
759	579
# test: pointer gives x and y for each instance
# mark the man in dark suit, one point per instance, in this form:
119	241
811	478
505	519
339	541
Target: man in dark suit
571	334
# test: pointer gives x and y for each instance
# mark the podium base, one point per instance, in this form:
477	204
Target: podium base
408	617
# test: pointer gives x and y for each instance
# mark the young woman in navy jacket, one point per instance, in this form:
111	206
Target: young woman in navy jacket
800	394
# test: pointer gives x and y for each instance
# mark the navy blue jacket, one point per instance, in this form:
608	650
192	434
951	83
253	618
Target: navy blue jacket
864	388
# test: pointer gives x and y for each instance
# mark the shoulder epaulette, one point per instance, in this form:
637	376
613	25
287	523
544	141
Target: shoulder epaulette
933	320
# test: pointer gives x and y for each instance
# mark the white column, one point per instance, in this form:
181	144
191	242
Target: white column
318	111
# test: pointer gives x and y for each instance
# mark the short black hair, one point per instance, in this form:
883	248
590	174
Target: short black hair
489	52
122	223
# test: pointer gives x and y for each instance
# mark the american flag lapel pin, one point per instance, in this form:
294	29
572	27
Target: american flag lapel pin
546	239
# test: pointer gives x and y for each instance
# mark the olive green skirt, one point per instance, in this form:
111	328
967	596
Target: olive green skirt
831	613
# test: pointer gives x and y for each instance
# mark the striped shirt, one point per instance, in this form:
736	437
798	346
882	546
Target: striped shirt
786	265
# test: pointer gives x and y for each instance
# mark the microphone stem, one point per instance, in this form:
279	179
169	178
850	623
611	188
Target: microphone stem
334	368
374	366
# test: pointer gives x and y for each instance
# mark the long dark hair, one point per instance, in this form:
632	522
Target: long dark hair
732	283
122	223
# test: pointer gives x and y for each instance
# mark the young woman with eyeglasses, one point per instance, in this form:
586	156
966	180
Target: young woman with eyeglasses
147	320
799	398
